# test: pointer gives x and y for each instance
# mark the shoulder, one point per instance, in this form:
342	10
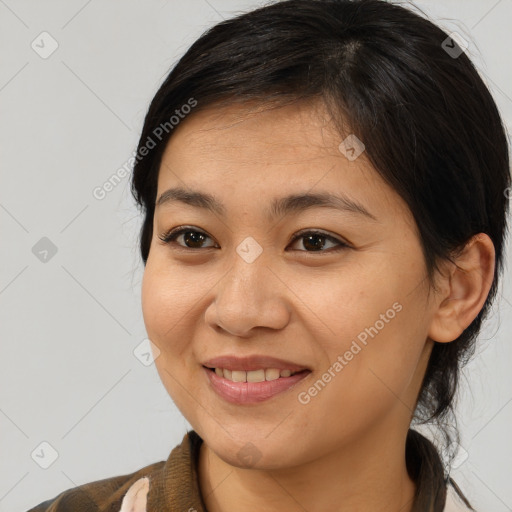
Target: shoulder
170	485
101	495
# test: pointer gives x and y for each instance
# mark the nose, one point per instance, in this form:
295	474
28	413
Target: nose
249	296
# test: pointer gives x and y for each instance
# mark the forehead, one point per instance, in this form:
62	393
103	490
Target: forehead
262	150
253	132
295	144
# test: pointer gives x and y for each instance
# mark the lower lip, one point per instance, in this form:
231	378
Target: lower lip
252	392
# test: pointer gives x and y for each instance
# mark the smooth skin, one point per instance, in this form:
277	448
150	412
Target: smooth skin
345	449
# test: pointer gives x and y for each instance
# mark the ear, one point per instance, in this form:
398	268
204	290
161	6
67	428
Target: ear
135	499
464	289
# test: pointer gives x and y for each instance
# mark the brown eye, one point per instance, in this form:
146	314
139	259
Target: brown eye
192	238
315	241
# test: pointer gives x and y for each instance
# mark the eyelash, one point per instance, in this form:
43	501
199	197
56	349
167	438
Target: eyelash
171	236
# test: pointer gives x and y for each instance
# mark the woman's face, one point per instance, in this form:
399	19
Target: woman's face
351	310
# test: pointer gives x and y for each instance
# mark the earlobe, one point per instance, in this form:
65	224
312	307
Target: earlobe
466	287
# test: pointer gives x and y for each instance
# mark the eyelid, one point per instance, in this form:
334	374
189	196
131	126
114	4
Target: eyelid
313	231
170	236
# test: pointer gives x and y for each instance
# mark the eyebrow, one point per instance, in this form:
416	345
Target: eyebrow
293	203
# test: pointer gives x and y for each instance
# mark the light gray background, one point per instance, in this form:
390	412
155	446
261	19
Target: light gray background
69	325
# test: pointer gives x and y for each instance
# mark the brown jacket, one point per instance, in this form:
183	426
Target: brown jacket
172	486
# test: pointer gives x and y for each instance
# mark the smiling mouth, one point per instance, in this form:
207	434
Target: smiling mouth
249	387
260	375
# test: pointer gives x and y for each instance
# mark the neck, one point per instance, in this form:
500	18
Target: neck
364	476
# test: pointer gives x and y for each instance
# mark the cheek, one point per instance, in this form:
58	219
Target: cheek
349	307
379	337
167	307
365	381
167	299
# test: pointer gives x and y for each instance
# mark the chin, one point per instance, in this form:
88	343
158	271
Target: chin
254	452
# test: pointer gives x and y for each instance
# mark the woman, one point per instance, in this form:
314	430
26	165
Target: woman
325	188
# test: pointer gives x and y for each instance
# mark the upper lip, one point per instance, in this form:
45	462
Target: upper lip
255	362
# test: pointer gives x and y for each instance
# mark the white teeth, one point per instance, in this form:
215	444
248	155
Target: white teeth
272	374
238	376
253	375
256	376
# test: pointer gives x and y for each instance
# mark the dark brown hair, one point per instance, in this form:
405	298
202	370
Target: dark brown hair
430	126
